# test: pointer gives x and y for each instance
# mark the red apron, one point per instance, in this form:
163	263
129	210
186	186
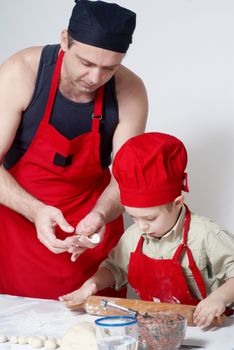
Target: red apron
163	279
65	174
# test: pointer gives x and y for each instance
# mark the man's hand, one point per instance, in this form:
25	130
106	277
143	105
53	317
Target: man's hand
91	224
45	220
209	308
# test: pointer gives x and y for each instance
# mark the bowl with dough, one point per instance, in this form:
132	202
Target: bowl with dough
162	331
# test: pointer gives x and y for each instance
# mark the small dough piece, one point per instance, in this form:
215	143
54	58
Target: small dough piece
81	336
43	338
54	339
95	238
3	338
36	343
59	342
13	339
22	340
50	344
30	339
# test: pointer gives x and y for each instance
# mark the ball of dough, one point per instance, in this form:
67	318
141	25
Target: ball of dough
79	337
3	338
13	340
50	344
43	338
95	238
30	339
22	340
59	342
36	343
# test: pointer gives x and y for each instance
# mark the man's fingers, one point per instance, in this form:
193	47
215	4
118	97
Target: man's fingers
56	246
76	255
47	237
62	223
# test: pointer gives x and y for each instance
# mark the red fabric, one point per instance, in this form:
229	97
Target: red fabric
150	170
28	268
163	279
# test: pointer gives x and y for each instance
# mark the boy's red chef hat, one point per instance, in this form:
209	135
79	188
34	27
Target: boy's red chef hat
150	170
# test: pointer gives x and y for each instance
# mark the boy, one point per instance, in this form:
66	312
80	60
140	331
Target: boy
169	254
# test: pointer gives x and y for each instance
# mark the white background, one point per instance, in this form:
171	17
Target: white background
184	52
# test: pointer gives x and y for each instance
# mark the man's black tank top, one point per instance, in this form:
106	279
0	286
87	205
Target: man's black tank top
69	118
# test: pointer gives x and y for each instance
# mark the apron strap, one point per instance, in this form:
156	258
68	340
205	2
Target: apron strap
97	113
139	245
53	86
183	245
98	103
192	266
196	273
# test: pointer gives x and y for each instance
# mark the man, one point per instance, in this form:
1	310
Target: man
63	111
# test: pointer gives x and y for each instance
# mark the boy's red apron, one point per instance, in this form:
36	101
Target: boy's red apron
65	174
164	279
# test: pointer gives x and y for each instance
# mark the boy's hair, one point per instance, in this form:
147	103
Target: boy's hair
169	206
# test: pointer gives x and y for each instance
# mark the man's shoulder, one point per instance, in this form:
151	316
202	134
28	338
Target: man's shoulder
24	62
19	72
125	77
131	89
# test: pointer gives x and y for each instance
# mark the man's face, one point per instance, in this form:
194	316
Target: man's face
87	67
154	221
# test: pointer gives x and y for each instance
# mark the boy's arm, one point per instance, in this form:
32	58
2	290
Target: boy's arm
102	279
215	304
112	272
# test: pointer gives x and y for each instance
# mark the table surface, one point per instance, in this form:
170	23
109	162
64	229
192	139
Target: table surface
30	317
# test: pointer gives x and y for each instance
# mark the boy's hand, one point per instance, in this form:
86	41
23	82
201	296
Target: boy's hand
209	308
80	295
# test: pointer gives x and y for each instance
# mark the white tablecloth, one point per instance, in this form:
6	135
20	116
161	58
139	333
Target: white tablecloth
24	317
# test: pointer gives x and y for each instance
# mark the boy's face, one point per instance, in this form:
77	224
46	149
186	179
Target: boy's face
155	221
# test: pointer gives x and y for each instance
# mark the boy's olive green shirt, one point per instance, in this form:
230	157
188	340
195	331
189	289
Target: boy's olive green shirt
211	246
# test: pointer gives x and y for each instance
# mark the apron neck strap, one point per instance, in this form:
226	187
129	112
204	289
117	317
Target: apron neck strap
139	245
97	113
98	102
183	245
192	265
54	86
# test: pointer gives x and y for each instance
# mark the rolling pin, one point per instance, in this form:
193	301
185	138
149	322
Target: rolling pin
93	306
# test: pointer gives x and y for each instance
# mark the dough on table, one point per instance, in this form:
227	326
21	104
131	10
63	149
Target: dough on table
13	339
3	338
43	338
22	340
59	342
36	342
81	336
50	344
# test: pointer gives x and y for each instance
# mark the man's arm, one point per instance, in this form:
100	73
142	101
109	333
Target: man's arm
133	109
17	81
112	272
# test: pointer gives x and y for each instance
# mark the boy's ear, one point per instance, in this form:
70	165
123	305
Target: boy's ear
179	201
64	40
